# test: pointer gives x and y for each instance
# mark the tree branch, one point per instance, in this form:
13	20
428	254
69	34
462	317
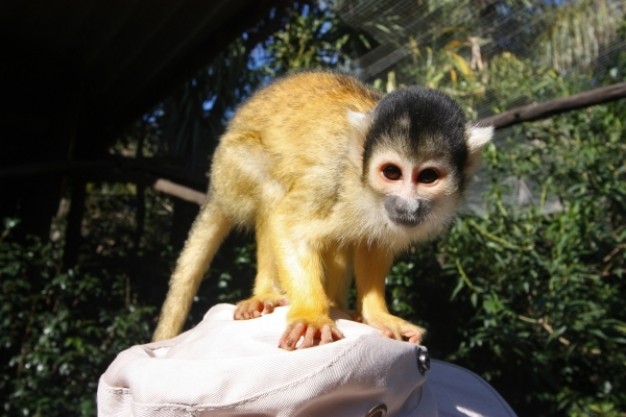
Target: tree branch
546	109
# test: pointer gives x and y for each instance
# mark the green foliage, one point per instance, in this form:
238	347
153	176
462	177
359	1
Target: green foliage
313	37
538	300
508	73
529	296
59	329
548	288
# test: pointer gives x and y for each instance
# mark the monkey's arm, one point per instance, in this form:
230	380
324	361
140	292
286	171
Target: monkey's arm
299	258
372	264
301	272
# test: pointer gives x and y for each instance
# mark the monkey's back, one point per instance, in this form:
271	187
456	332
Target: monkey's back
304	113
292	130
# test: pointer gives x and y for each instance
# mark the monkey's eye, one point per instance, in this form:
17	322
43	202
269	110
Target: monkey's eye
428	176
392	172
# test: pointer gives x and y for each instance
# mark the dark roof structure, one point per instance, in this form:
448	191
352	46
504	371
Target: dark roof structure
74	73
108	61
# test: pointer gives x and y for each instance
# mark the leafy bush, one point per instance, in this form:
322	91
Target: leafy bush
536	296
59	330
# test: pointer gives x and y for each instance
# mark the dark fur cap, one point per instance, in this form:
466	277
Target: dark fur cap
418	119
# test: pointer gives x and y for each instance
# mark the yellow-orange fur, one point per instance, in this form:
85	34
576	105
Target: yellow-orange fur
290	167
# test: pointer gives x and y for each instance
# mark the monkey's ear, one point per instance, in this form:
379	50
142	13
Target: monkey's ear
360	124
477	138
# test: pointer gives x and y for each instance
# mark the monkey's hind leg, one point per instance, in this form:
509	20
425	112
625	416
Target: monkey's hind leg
266	294
371	267
206	235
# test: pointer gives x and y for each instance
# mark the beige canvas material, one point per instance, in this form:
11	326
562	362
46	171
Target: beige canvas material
224	367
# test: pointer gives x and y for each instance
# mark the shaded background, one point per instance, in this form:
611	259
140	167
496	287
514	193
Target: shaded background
110	113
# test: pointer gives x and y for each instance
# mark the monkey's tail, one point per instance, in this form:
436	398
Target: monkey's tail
206	235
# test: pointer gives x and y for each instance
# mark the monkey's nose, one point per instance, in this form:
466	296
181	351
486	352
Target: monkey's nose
403	212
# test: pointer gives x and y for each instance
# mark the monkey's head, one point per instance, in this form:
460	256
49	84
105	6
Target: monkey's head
418	155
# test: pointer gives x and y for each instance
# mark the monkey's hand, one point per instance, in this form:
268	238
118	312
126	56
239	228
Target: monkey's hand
395	328
320	331
256	306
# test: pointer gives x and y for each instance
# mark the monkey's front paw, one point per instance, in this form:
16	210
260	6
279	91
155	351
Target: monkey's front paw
396	328
255	306
311	333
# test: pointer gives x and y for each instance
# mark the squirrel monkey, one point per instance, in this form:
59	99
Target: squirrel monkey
336	180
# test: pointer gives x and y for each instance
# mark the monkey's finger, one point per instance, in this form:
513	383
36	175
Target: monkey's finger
397	335
245	313
270	304
309	337
415	336
329	334
291	336
337	334
239	314
253	313
248	309
355	316
390	332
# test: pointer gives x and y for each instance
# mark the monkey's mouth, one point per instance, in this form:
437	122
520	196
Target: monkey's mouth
407	220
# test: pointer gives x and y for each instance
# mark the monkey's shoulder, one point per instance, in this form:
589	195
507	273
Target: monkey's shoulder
306	99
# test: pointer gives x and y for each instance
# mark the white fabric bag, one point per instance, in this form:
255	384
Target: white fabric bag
224	367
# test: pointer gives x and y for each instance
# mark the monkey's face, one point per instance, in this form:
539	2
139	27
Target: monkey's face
414	192
414	154
418	153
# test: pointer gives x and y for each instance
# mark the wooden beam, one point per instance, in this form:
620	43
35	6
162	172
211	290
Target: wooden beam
180	191
546	109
